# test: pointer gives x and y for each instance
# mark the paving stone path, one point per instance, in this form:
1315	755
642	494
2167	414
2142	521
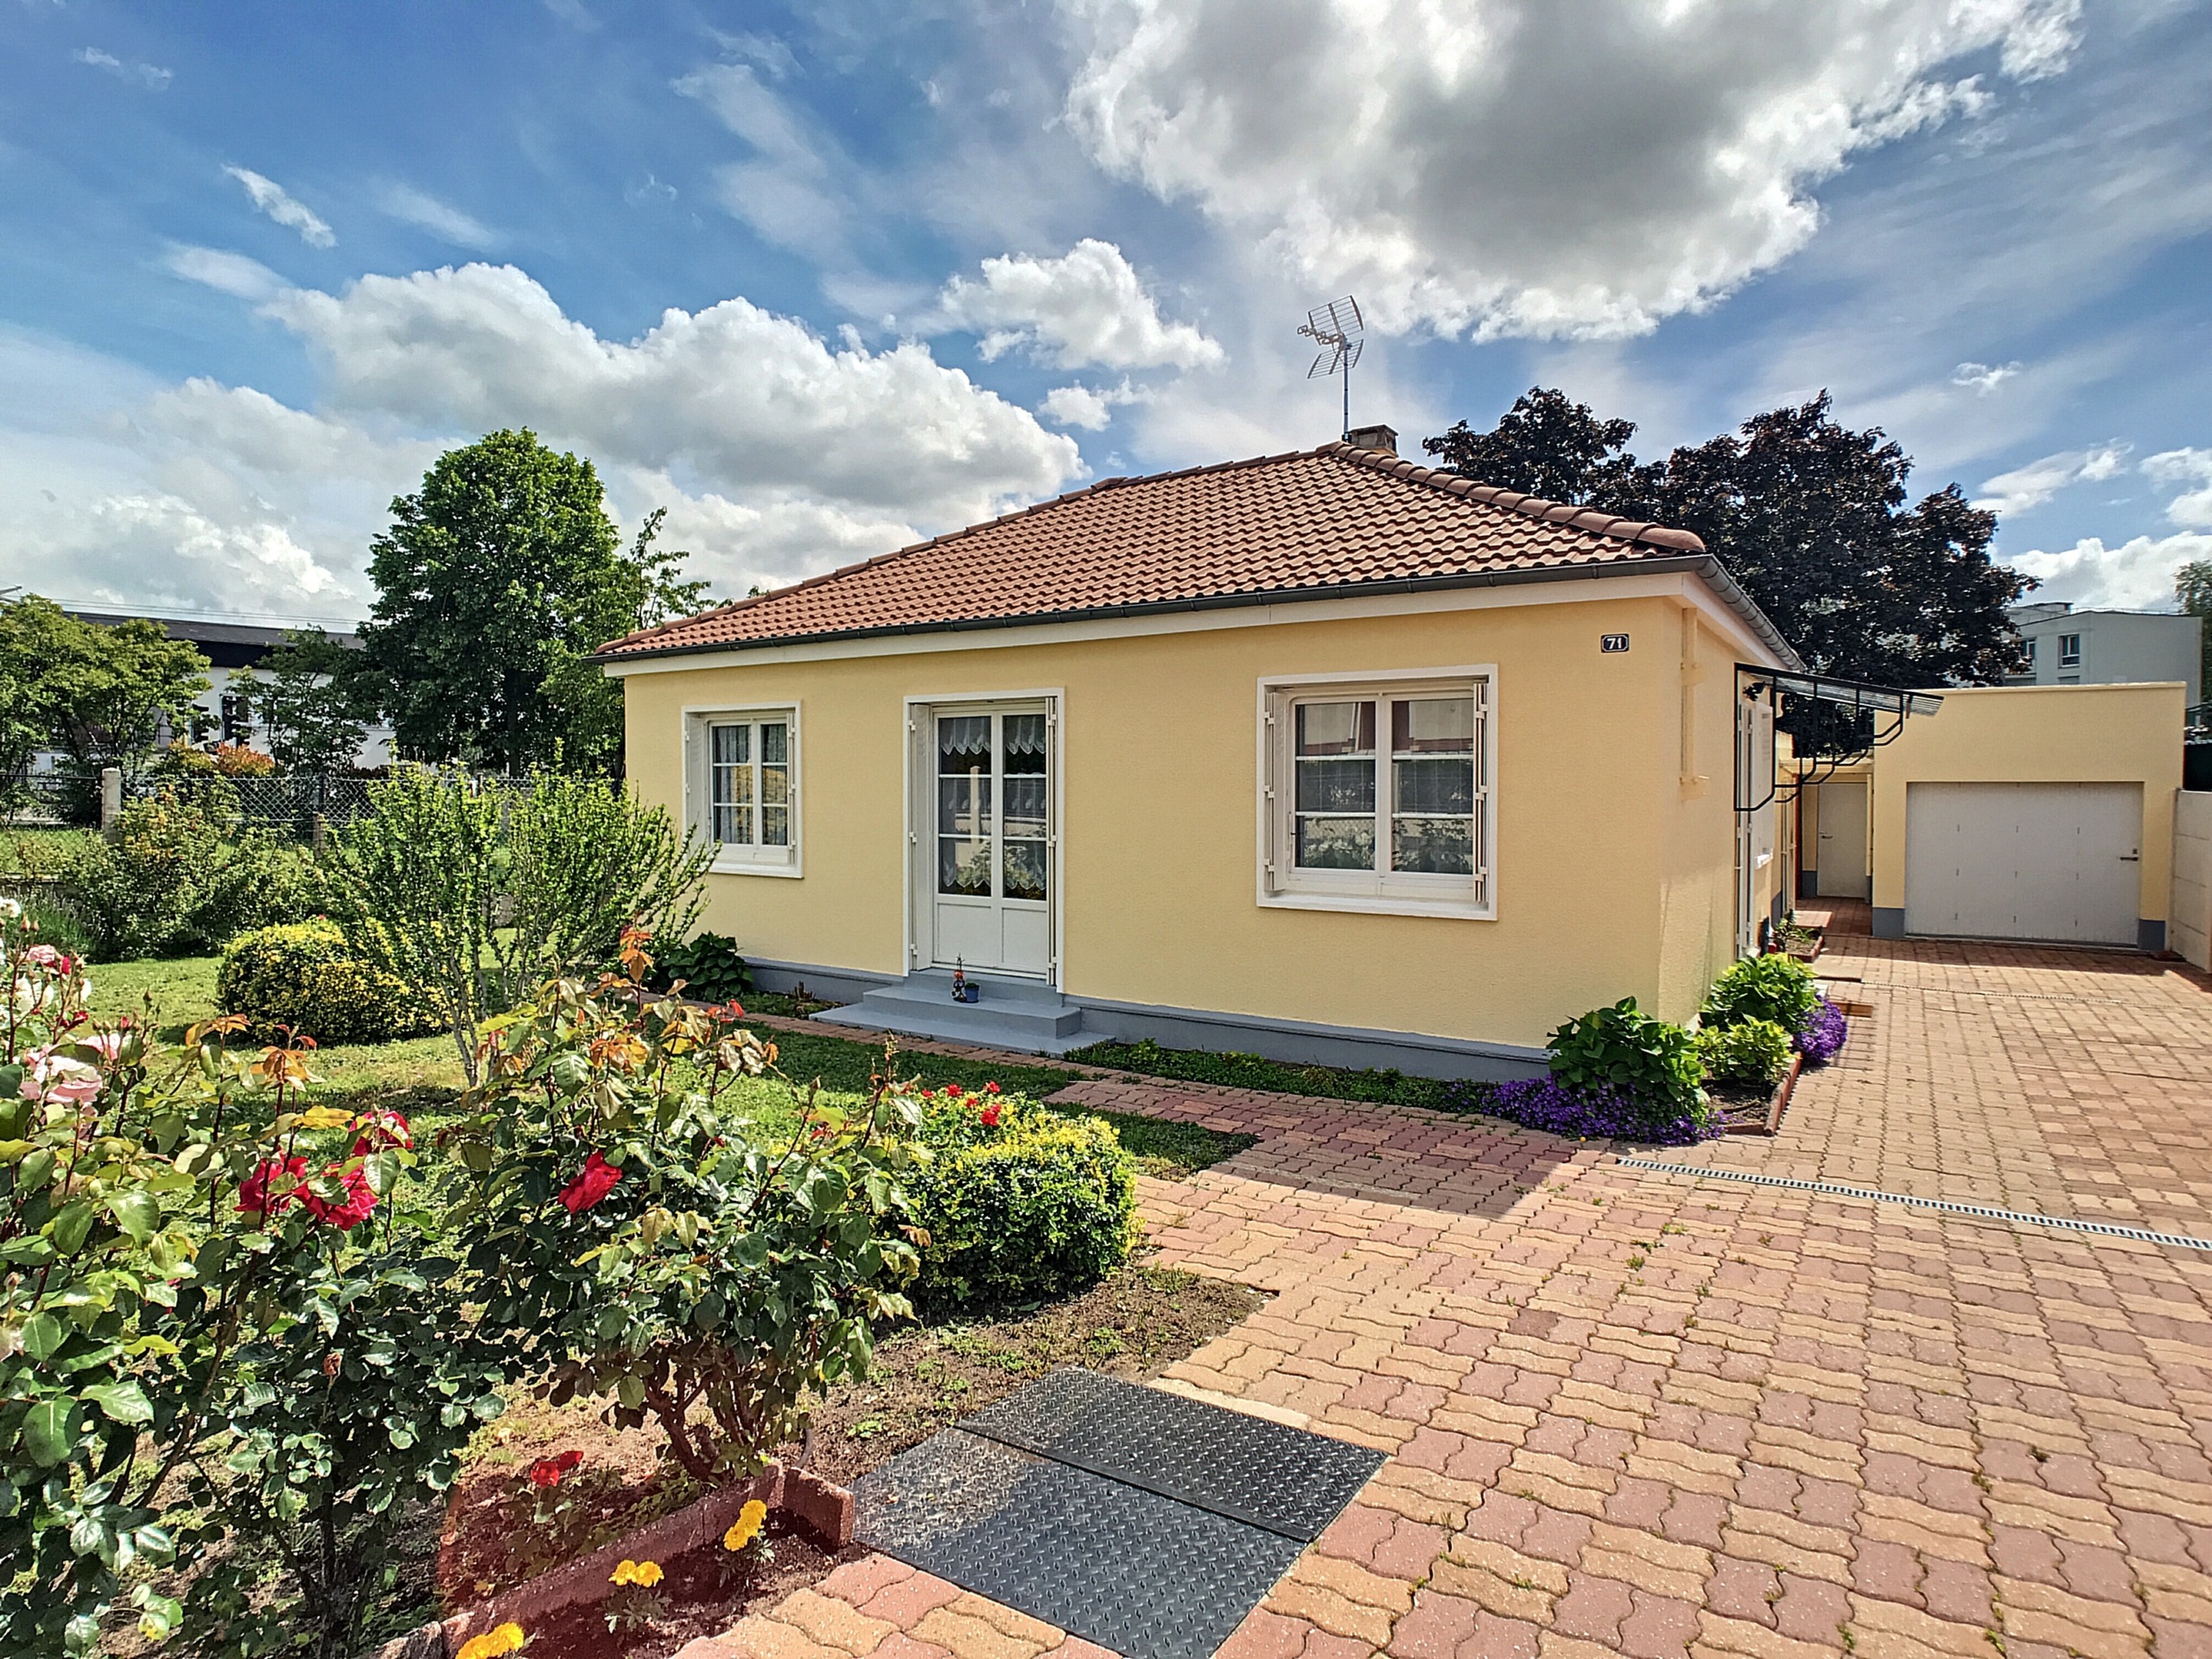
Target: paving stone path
1628	1413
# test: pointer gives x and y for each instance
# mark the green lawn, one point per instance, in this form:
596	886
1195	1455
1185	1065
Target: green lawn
421	1076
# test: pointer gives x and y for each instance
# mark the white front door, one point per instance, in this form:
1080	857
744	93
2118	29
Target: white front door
1842	860
985	841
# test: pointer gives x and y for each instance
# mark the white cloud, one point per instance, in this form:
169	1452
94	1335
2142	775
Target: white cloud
1983	376
230	273
447	223
2037	482
116	491
2137	575
2185	467
790	193
272	199
778	455
1087	308
1518	167
740	397
152	77
1090	407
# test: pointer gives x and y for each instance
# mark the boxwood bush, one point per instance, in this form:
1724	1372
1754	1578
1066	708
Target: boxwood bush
1019	1204
303	976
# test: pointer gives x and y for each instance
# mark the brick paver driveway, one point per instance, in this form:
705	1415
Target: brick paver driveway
1643	1414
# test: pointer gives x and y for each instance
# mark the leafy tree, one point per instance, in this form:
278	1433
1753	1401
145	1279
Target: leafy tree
100	694
1546	444
1808	515
2193	589
311	703
496	579
587	705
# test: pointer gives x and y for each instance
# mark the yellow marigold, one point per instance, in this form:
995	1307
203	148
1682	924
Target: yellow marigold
747	1527
644	1575
499	1639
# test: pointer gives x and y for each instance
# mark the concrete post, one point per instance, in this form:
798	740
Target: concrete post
111	799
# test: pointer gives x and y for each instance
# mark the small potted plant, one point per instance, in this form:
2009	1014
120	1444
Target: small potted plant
964	989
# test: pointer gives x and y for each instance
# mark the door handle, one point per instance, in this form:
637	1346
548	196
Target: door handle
2131	858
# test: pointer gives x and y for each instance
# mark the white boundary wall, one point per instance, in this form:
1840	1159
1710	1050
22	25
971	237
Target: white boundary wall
2191	930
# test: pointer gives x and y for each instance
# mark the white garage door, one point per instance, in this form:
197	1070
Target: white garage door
2024	860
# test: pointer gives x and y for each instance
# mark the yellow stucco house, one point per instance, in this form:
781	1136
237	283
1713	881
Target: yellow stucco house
1324	755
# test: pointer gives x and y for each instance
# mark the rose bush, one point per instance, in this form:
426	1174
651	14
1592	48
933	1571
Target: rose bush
201	1342
639	1248
251	1332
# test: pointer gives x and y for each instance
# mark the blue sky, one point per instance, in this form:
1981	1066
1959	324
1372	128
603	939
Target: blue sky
820	280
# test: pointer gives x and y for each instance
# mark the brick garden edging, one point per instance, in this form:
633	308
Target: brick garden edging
825	1509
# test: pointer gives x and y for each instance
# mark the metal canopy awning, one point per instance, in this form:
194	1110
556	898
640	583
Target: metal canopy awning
1859	695
1758	780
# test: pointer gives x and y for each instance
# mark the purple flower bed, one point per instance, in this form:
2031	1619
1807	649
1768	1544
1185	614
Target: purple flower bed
1824	1032
1596	1114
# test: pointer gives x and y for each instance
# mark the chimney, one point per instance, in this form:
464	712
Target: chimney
1385	438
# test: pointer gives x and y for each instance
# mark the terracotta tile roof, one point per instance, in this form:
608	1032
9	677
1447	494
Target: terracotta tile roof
1325	521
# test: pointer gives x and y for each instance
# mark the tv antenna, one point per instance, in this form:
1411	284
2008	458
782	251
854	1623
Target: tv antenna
1336	328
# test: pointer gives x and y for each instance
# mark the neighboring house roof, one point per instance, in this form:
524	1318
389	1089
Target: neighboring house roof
225	645
1334	522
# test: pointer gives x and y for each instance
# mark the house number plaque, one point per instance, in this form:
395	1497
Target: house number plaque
1612	642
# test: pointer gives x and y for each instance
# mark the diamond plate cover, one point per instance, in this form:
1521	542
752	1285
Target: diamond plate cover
1133	1571
1266	1474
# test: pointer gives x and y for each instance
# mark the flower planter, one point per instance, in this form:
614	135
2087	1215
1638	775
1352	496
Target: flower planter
824	1509
1777	1102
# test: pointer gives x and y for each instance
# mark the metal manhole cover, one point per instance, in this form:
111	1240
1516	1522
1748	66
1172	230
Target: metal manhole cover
1269	1475
1142	1521
1114	1564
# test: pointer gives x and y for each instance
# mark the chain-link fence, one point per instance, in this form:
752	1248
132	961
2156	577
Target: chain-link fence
289	802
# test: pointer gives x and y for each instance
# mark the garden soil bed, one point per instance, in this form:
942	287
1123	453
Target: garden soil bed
1755	1111
500	1532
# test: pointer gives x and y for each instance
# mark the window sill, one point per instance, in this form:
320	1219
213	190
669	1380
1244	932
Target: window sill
726	865
1382	905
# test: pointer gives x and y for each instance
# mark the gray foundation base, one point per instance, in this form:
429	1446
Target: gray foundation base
831	985
2149	935
1297	1042
1889	924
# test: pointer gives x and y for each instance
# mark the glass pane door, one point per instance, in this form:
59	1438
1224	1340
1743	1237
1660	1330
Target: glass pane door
992	839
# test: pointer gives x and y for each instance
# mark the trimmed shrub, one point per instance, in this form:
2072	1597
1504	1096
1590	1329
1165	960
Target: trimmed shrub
708	965
181	877
1019	1204
1647	1062
1751	1052
1778	987
302	976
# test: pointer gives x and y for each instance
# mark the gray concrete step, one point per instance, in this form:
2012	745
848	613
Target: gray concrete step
1021	1015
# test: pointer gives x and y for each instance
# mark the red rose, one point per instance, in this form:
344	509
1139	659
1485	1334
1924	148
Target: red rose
349	1211
991	1088
547	1471
593	1182
989	1115
254	1199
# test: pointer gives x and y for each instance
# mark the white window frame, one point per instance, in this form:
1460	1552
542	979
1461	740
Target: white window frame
2070	659
1281	886
735	858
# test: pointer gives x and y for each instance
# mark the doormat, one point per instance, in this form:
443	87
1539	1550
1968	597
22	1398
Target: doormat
1140	1520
